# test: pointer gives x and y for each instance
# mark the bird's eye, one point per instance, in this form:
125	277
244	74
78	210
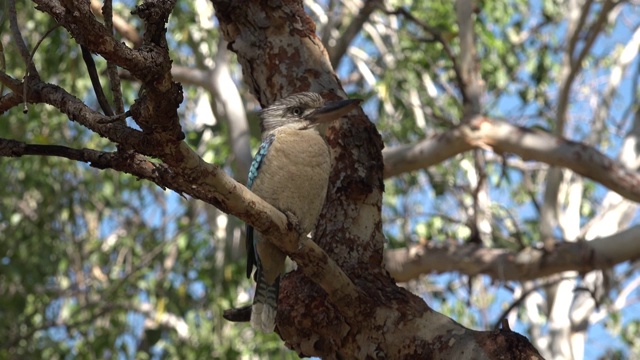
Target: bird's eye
296	111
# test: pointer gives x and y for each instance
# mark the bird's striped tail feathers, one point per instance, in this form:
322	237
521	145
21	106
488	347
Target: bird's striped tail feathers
265	304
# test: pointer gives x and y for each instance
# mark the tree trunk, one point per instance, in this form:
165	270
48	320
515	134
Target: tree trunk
280	55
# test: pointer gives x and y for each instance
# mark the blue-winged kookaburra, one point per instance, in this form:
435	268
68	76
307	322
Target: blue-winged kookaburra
291	172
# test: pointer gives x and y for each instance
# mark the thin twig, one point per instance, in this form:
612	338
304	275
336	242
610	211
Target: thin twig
11	83
18	40
112	69
22	49
437	36
9	101
524	295
3	62
35	48
95	81
115	118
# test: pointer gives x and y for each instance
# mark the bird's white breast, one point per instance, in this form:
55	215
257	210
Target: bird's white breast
295	174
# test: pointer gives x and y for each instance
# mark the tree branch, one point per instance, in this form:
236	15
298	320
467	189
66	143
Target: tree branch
13	84
502	137
226	95
9	101
95	81
19	41
120	24
618	68
190	75
437	36
146	64
471	85
337	51
506	265
112	69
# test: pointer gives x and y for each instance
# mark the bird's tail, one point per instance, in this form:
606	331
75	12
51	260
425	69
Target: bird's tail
265	303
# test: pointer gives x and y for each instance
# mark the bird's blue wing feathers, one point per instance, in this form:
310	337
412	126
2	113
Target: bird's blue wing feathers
257	160
252	258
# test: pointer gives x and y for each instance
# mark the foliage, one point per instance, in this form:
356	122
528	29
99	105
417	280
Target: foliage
98	264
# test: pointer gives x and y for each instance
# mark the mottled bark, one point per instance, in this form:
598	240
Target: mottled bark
280	54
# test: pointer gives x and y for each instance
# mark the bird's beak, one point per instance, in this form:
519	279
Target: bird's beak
333	110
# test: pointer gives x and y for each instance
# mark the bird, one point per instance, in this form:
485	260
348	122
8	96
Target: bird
290	171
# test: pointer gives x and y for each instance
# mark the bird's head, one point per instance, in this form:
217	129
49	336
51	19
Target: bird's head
304	110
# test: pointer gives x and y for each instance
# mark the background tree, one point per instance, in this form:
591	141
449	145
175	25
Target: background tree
98	263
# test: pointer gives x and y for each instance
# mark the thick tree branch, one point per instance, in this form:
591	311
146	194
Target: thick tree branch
13	148
502	137
505	265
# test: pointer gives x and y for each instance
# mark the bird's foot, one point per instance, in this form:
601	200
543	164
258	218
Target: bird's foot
293	220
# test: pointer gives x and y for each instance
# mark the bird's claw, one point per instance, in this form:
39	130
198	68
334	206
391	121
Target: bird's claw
293	220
